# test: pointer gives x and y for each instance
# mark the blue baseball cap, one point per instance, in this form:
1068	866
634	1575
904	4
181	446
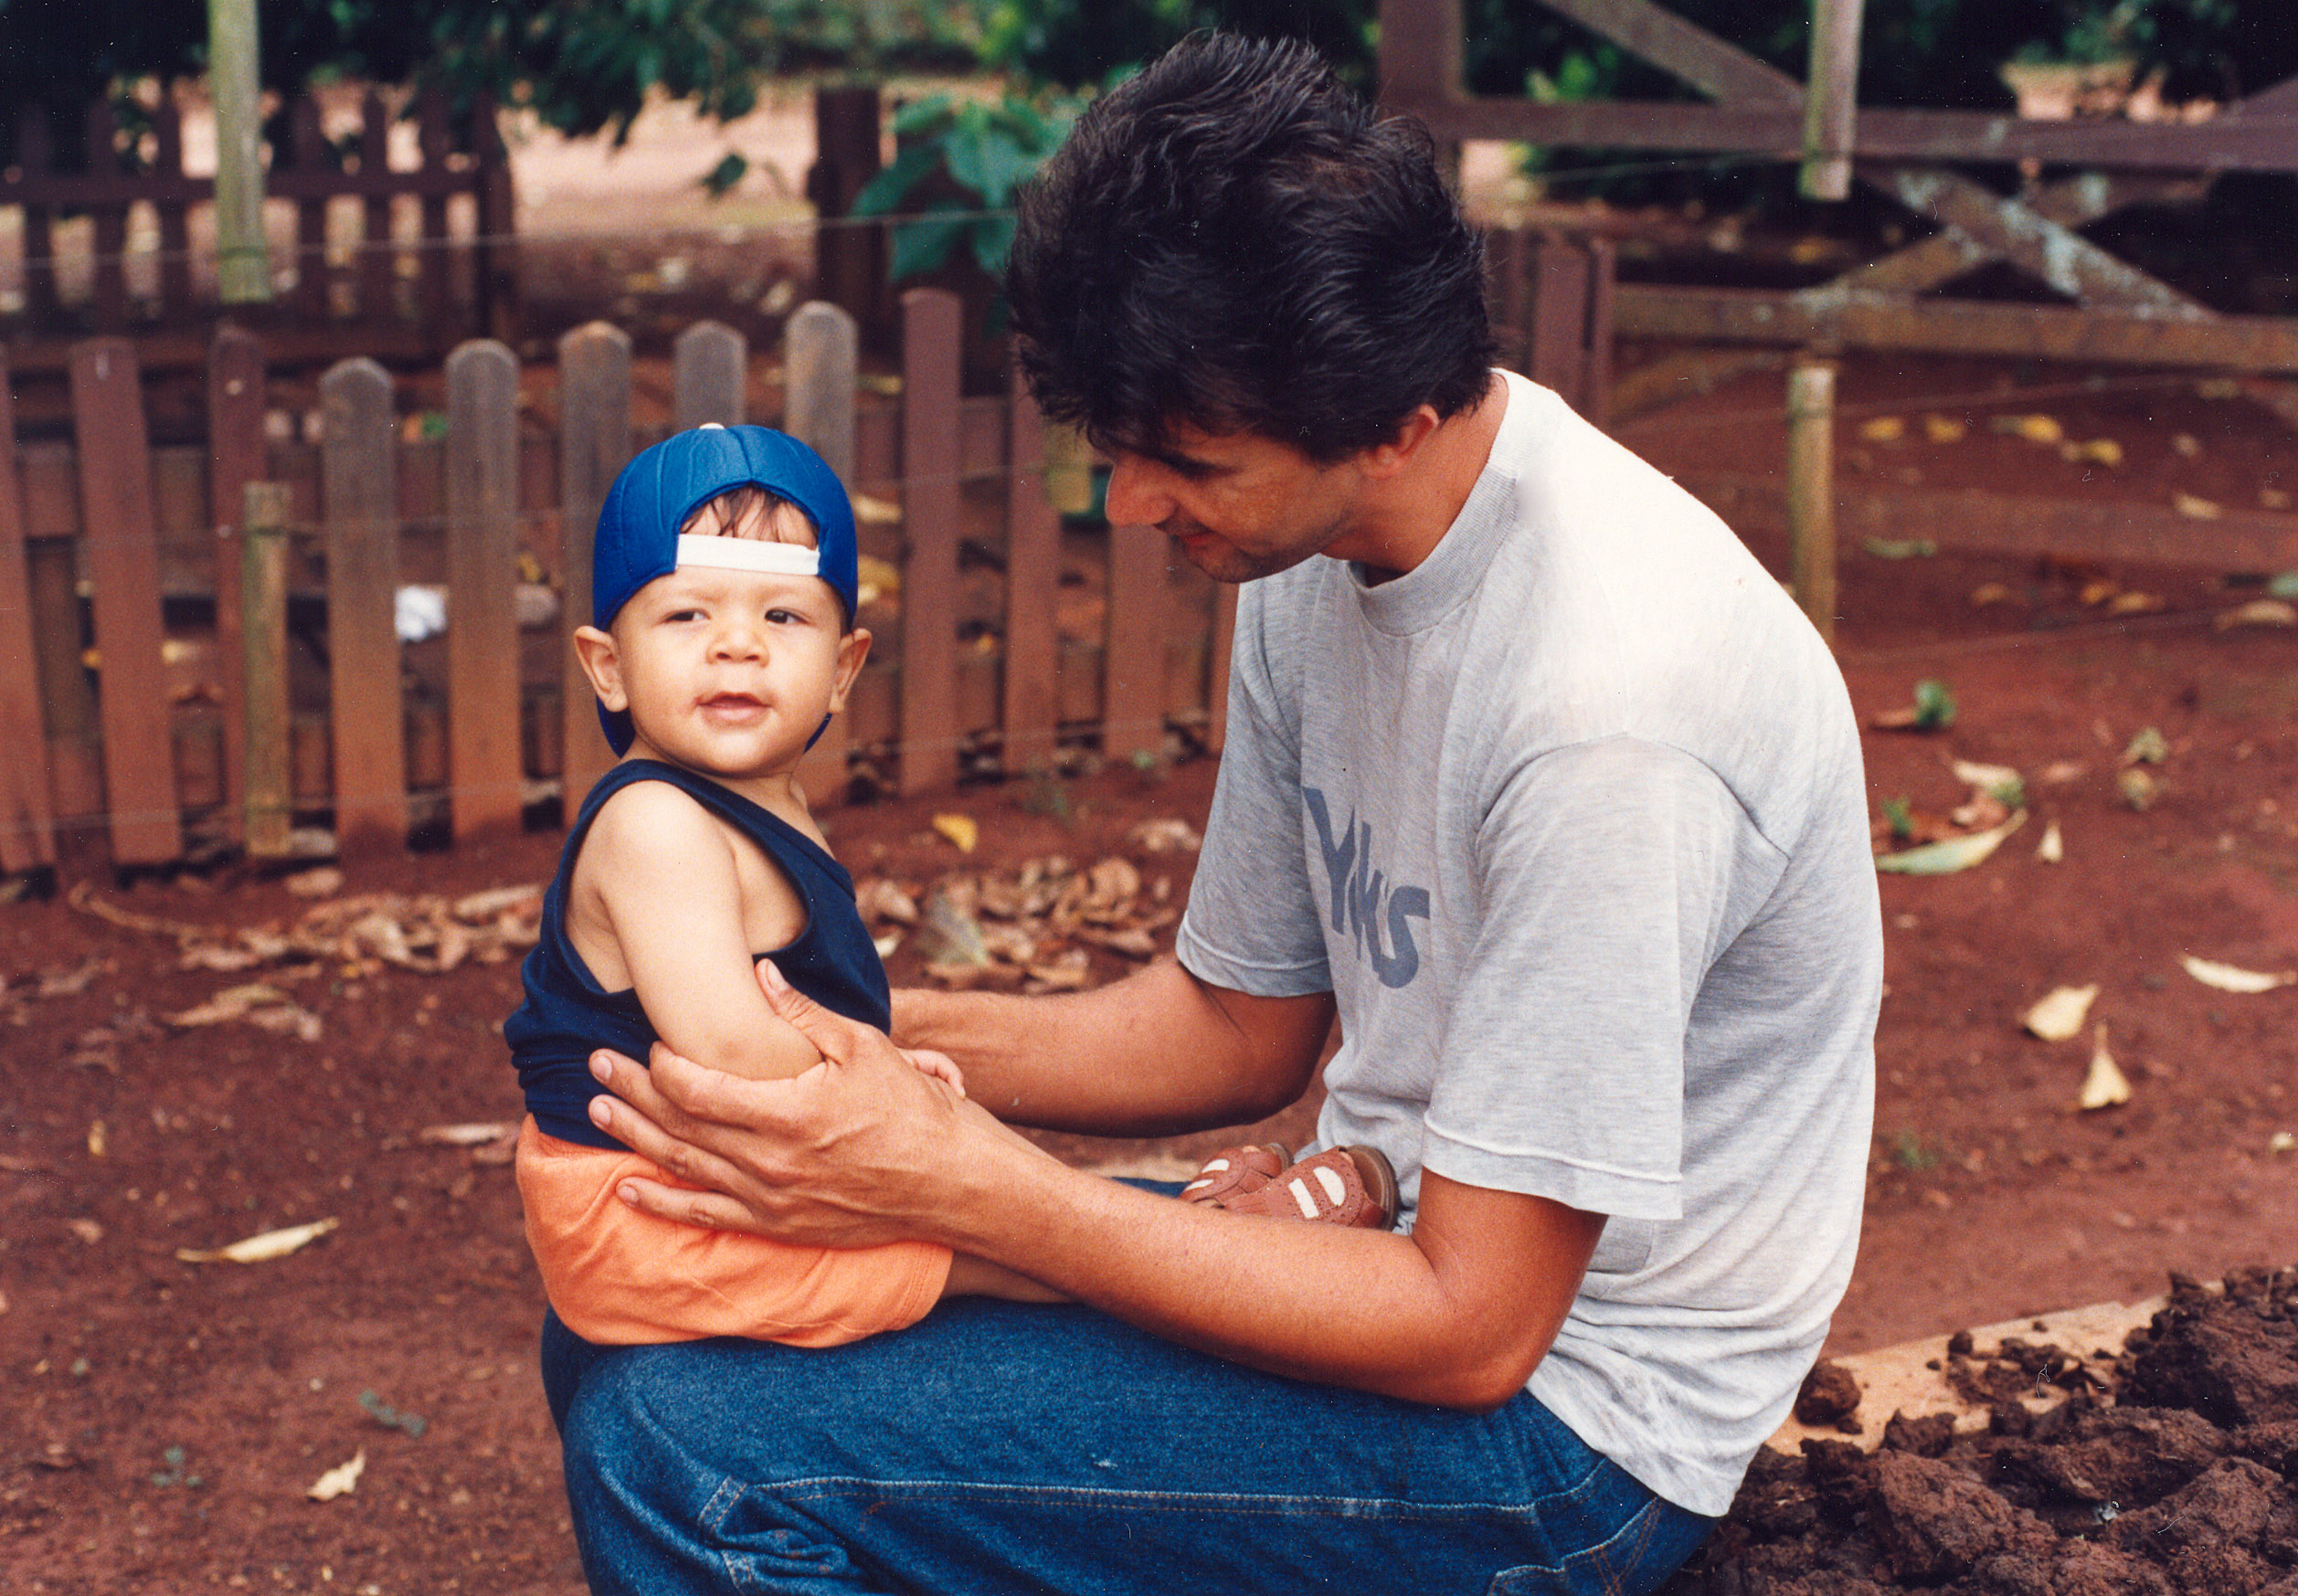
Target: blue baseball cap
638	538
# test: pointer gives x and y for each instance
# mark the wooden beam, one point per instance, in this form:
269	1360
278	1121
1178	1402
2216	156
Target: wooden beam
2071	202
2249	144
2006	229
27	822
1718	69
2258	344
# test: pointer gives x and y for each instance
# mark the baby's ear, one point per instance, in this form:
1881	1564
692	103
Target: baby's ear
602	663
852	650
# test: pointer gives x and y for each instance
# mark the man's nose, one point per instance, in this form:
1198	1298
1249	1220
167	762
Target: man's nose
1136	498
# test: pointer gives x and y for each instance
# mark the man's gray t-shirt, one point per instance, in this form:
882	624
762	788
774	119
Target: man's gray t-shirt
1570	821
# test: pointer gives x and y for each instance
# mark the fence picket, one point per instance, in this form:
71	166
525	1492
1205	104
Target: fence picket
432	137
820	355
268	817
482	544
376	254
123	567
27	822
709	363
34	157
1032	705
110	224
359	491
235	451
309	143
174	216
931	347
1133	667
594	408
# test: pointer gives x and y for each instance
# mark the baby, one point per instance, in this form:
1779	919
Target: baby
722	640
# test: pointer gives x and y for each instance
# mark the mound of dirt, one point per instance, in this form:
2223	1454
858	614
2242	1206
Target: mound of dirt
2180	1480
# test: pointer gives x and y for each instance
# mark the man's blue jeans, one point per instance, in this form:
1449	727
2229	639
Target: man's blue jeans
997	1448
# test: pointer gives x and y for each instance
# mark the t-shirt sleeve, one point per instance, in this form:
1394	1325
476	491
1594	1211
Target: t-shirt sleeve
1251	925
1606	869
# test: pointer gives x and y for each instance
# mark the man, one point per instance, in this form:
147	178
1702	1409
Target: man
1534	778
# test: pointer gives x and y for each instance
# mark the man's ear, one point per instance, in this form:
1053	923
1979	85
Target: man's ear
602	663
852	650
1385	460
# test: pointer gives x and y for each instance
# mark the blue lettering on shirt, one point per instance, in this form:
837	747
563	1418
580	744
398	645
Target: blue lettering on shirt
1363	903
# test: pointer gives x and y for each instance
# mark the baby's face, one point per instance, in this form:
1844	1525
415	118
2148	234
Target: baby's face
730	672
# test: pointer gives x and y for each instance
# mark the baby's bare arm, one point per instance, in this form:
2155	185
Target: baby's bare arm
659	901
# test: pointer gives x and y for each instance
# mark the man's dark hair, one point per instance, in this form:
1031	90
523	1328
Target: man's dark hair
1235	240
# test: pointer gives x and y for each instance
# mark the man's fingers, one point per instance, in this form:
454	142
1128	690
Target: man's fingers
680	1206
833	1034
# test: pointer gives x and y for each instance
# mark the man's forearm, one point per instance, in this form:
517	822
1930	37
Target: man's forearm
1457	1318
1154	1054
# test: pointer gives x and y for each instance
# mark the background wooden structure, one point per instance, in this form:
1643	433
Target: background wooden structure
2120	314
457	283
468	733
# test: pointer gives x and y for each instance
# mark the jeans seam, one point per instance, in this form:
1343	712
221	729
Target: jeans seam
1259	1504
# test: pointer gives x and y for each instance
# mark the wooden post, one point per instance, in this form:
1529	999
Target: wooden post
1133	660
594	443
111	218
35	155
931	340
1032	699
821	354
1557	353
483	547
709	364
1831	100
308	140
264	631
375	253
1811	390
176	238
235	458
847	256
27	820
431	136
359	477
121	538
243	265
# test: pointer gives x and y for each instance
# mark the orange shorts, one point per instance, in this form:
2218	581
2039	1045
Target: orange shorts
621	1277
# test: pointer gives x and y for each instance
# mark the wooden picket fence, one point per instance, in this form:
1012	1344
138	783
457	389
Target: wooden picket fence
166	751
455	282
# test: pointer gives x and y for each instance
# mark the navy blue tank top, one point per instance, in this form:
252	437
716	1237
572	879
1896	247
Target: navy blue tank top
567	1016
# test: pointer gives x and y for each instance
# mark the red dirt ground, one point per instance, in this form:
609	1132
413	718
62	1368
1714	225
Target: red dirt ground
1991	1195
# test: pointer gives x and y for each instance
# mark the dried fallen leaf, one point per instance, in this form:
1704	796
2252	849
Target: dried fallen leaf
341	1480
259	1249
2060	1015
1899	548
2229	977
1943	430
1986	777
2103	452
2281	1141
2060	772
477	908
2097	591
323	881
2106	1086
2052	849
2134	604
472	1134
1883	430
1988	593
962	830
2257	612
953	936
1161	836
1953	854
880	899
2147	747
2194	507
2035	429
87	1231
2138	789
97	1139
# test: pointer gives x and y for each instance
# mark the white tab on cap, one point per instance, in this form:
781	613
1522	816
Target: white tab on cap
746	554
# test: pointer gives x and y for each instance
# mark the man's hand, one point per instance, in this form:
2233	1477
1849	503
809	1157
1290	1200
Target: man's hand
857	1151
